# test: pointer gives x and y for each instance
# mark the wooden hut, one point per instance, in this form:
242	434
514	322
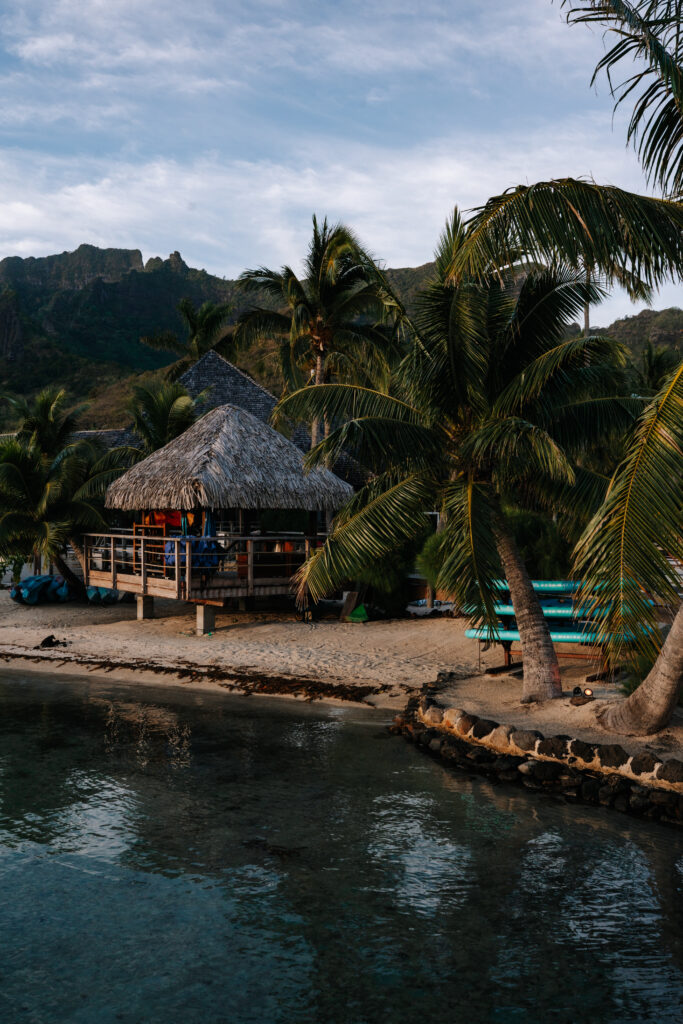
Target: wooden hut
221	475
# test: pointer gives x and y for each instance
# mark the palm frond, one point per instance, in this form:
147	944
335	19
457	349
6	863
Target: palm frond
580	222
374	532
623	556
471	563
513	449
646	32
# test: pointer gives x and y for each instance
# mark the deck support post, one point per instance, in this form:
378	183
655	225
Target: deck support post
206	619
145	605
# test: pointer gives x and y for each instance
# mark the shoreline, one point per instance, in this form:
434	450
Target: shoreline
380	664
207	678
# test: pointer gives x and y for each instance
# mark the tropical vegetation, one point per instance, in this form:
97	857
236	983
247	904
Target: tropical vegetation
491	407
333	322
45	474
205	328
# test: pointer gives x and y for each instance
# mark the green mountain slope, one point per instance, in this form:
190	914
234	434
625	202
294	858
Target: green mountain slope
76	318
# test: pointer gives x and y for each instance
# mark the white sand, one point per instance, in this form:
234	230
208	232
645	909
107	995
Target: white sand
397	656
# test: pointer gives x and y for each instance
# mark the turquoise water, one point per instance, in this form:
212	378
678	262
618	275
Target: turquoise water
174	857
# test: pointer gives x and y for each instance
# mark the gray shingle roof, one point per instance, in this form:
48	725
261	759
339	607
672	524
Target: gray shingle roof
229	386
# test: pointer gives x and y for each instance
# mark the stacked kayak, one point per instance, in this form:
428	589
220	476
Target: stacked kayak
569	624
53	589
41	590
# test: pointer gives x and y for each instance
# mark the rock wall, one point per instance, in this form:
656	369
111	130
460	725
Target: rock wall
594	773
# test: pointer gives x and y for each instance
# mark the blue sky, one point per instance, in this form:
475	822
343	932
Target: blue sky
217	128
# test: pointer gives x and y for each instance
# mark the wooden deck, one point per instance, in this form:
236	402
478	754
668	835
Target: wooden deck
206	570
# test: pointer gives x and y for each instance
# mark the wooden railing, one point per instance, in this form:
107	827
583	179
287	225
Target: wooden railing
194	568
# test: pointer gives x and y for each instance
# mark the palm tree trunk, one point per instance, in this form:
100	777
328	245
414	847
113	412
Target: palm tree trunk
78	551
317	425
541	667
650	707
76	585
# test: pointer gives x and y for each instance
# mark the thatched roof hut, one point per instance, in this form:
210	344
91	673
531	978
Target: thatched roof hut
227	459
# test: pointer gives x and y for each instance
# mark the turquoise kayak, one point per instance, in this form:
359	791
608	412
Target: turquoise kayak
545	586
557	636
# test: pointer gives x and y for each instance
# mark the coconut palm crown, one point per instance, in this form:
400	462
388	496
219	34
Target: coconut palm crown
329	322
490	404
205	330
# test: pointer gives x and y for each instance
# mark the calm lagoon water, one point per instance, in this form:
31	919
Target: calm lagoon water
177	857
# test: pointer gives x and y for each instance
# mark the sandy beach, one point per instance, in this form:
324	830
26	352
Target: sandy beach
378	663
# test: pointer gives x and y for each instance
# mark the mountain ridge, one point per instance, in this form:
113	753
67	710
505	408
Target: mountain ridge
75	318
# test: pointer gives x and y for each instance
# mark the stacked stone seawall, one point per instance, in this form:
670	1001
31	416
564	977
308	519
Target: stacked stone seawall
602	774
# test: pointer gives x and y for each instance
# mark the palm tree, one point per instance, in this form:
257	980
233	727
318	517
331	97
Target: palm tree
328	322
42	505
204	332
649	44
656	364
628	553
489	405
160	412
45	423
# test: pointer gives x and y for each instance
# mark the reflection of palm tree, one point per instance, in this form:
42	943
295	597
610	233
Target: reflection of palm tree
204	332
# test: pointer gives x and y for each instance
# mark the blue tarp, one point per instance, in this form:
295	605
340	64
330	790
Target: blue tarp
205	552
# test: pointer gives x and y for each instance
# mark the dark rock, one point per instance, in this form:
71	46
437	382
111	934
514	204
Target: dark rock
553	746
435	745
605	796
508	776
643	764
569	779
426	737
611	755
638	803
525	768
525	739
546	771
480	756
465	723
663	798
579	701
590	789
618	783
483	727
671	771
584	751
621	802
531	784
433	715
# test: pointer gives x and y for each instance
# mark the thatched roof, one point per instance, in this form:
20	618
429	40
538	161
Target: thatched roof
227	459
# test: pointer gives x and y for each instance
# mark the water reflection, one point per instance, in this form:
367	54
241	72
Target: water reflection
192	858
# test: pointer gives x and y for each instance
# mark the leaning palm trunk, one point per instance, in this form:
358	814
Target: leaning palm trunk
541	667
77	585
651	706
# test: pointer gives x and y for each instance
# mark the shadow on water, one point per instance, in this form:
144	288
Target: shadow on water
187	857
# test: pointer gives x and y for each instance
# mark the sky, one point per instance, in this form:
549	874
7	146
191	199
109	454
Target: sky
218	127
